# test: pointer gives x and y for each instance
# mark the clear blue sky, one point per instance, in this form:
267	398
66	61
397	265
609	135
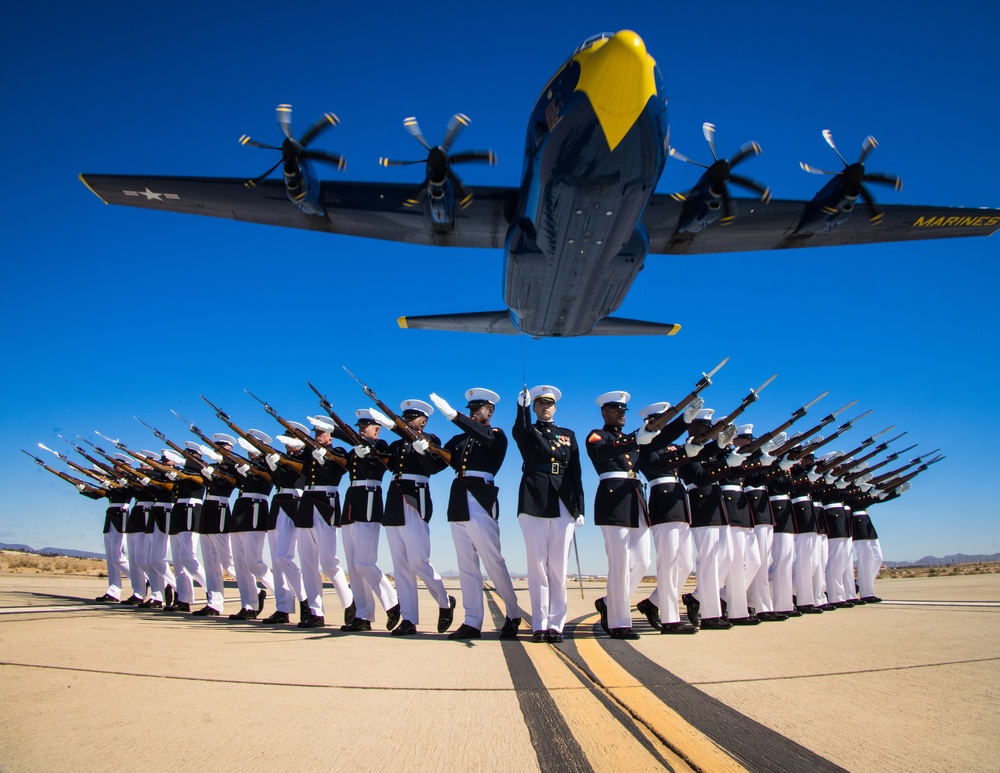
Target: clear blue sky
110	312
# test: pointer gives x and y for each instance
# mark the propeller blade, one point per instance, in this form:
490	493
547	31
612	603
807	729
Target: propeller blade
247	140
813	170
413	128
331	158
884	179
674	153
391	162
708	129
875	214
284	115
748	149
746	182
458	122
828	136
324	122
475	155
727	217
867	147
465	195
253	183
418	197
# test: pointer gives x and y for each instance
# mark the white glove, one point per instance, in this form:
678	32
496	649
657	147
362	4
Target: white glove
841	483
80	487
272	461
212	454
319	454
813	476
866	477
382	419
122	482
865	487
775	442
726	436
144	480
172	475
766	460
881	494
421	446
828	478
786	464
644	436
904	487
207	472
361	450
524	398
442	405
243	469
693	407
692	449
578	521
735	459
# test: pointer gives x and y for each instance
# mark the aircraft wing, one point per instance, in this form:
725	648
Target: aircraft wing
371	210
772	226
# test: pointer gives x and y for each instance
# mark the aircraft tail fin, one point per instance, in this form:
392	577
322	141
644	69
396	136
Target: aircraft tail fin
618	326
471	322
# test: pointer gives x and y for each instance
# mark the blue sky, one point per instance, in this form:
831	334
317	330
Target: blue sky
110	312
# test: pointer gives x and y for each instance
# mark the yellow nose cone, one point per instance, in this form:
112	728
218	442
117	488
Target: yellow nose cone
617	75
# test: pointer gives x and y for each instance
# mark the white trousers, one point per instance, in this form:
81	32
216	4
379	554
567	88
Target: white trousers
836	563
673	567
410	547
291	587
869	564
628	555
248	557
760	589
547	542
154	561
819	579
479	538
136	549
742	569
780	573
367	580
186	566
850	591
329	561
114	557
714	546
807	565
216	557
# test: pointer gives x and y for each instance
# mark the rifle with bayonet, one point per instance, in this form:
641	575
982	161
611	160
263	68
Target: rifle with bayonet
842	457
849	464
295	432
769	436
661	421
118	468
899	470
257	443
747	401
888	460
354	437
222	451
97	464
402	426
66	477
166	469
186	453
104	481
892	485
813	447
799	437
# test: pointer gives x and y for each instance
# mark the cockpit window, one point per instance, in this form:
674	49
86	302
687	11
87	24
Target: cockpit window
592	40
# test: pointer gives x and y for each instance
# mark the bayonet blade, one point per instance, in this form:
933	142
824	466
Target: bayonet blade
809	405
759	389
878	434
708	376
856	418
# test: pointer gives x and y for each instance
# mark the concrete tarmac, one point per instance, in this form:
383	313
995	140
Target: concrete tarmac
906	685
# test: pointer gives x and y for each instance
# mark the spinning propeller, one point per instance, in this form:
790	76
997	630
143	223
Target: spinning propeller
853	176
293	151
719	174
440	161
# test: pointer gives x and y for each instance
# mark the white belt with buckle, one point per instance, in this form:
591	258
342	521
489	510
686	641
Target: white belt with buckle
324	489
296	491
217	498
663	480
189	501
779	498
861	512
144	504
835	504
806	498
250	495
748	489
415	478
731	488
617	474
487	476
118	505
366	483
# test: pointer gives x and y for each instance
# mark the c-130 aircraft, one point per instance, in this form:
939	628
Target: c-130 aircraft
577	230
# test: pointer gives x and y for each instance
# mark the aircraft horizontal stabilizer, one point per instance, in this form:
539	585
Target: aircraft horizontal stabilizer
472	322
616	326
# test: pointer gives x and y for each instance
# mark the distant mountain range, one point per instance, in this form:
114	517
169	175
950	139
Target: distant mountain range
52	551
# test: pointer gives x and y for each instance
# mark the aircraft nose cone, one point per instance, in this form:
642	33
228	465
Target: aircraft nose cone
618	77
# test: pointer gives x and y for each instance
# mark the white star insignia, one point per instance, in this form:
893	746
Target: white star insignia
152	195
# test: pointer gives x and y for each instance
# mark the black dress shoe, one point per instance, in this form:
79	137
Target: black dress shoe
651	611
509	630
843	604
278	618
602	606
552	636
144	604
678	628
692	605
357	624
154	604
177	606
446	616
858	602
392	617
261	595
715	624
131	601
109	598
623	633
350	613
790	613
205	611
313	621
168	595
771	617
466	632
405	628
871	599
538	636
809	609
744	621
244	614
828	607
